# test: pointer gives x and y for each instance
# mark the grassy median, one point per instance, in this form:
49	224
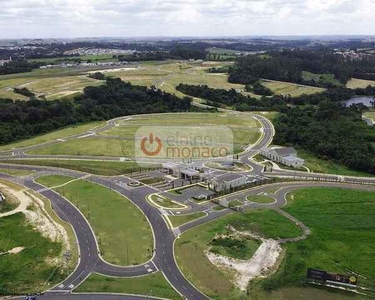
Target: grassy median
123	233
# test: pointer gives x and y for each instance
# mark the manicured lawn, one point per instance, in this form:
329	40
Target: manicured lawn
260	199
151	180
235	203
151	285
123	233
165	202
14	172
58	134
189	249
27	271
179	220
343	235
218	207
53	180
105	168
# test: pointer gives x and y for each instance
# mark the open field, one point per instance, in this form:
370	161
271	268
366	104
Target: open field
180	220
150	285
54	135
342	222
321	78
189	249
359	83
245	131
99	57
125	228
292	89
165	202
105	168
28	270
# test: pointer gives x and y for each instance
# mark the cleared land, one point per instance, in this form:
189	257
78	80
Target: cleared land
359	83
180	220
58	134
151	285
292	89
126	227
245	131
321	78
189	249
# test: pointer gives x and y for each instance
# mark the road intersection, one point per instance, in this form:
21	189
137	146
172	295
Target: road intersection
163	258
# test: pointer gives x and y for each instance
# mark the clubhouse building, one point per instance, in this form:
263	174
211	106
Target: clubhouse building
286	156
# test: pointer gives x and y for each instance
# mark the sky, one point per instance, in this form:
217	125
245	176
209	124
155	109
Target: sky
147	18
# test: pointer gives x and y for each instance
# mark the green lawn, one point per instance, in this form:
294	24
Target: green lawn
321	78
58	134
166	202
15	172
123	233
106	168
53	180
177	220
29	270
151	285
189	249
260	199
235	203
343	235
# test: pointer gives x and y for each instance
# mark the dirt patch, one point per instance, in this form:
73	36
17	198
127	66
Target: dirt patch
263	263
15	250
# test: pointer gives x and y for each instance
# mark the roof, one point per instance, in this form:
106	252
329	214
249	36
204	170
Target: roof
285	151
293	158
190	172
228	177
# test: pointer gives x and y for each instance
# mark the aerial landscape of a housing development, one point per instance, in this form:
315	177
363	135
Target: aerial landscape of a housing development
187	150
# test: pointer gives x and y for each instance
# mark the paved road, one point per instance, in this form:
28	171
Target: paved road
163	258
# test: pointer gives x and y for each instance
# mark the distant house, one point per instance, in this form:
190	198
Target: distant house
286	156
226	182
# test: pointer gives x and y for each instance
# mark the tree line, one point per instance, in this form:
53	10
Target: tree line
25	119
287	65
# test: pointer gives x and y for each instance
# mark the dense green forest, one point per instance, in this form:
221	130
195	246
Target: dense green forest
330	131
24	119
18	66
288	65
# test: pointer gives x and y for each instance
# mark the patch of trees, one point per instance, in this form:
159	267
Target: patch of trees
97	76
259	89
24	91
25	119
287	65
330	131
18	66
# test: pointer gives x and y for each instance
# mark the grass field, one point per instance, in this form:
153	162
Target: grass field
105	168
342	222
359	83
189	249
292	89
117	223
245	131
321	78
19	173
165	202
27	271
54	135
151	285
260	199
180	220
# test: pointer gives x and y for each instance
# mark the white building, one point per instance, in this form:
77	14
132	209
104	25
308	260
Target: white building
286	156
227	181
181	170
